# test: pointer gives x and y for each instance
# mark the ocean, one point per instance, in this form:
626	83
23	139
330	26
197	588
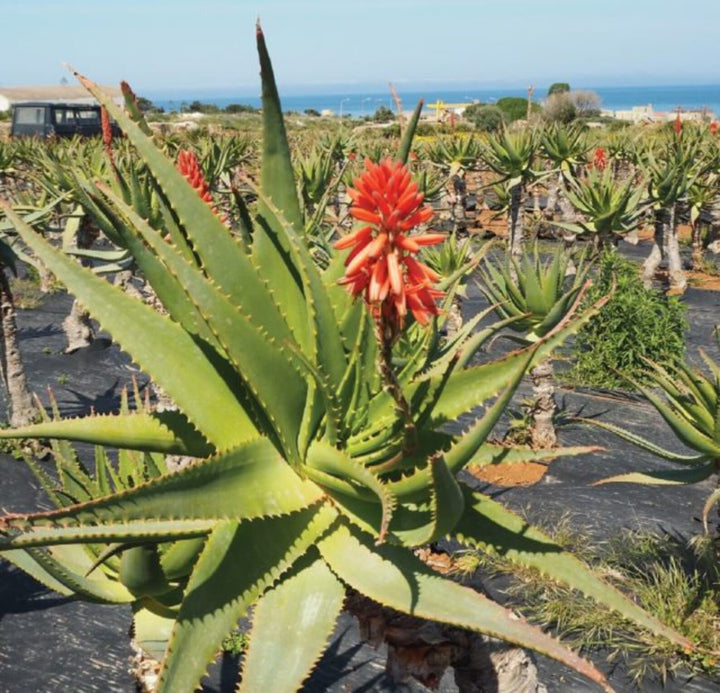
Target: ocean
353	102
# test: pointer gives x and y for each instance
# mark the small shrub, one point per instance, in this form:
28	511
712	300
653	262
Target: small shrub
485	118
636	324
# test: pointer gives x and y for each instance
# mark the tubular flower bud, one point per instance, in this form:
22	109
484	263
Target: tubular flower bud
187	164
677	125
381	266
106	130
599	159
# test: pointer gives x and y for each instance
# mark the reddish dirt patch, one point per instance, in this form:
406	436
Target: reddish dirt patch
515	474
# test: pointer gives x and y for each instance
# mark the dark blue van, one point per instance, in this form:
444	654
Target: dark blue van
43	119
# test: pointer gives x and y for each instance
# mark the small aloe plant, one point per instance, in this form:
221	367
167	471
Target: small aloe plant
688	399
533	297
611	208
320	464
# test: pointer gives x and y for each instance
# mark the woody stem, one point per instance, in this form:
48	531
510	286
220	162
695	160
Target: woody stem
390	381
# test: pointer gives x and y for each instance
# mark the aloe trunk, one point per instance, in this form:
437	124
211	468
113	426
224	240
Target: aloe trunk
515	221
697	247
665	247
544	407
22	408
78	328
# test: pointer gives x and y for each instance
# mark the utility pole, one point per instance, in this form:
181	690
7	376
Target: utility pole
531	91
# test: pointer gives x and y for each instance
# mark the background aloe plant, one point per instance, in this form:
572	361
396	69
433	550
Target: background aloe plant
304	485
534	297
688	399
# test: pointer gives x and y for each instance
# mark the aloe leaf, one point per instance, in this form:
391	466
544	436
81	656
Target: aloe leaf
260	358
489	524
463	450
469	443
247	482
467	387
672	477
184	371
33	534
167	432
56	575
165	283
151	631
394	577
340	472
683	429
325	347
222	256
498	453
180	557
277	176
446	507
291	623
644	443
24	559
406	143
218	595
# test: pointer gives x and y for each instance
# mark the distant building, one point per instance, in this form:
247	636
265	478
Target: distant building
9	96
646	114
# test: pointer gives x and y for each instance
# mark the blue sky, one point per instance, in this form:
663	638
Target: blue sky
181	44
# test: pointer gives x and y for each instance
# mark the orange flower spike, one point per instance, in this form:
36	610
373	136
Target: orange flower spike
677	125
380	265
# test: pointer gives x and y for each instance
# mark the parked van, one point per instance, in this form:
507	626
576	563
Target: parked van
42	119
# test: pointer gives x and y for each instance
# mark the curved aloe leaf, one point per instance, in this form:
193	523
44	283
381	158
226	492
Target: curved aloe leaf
218	594
341	477
406	143
671	477
184	371
488	523
33	534
291	624
277	178
221	256
393	577
466	388
250	481
167	432
498	453
644	443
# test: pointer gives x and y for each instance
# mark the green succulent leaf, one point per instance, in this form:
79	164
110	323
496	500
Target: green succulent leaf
394	577
218	594
489	524
58	576
249	481
184	371
291	623
644	443
671	477
167	432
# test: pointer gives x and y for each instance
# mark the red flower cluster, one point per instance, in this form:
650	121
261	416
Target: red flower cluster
714	127
106	131
187	164
381	266
677	125
599	159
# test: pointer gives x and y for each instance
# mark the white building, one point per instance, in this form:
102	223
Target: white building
9	96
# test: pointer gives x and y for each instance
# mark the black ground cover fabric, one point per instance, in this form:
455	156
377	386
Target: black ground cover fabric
53	644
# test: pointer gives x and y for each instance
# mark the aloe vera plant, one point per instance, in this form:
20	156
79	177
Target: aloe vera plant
315	473
533	296
688	399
